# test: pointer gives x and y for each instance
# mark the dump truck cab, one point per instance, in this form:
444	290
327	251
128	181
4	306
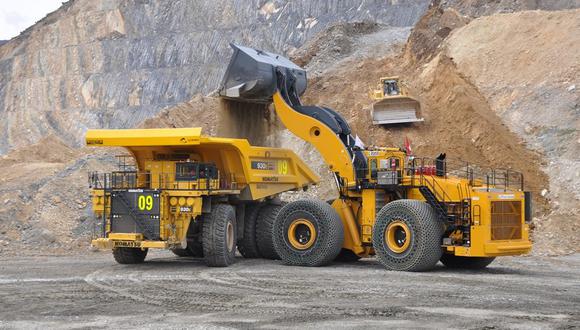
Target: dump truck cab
179	180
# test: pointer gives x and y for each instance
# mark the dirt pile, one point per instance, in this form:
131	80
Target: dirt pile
200	111
526	65
44	198
478	8
429	33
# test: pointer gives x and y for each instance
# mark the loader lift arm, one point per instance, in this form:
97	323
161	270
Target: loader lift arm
257	76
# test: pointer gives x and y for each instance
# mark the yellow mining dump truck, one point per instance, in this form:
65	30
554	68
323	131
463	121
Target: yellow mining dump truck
409	212
196	195
393	104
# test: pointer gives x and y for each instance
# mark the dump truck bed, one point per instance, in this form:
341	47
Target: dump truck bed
257	172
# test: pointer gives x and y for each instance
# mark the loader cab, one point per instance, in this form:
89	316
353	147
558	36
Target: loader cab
385	165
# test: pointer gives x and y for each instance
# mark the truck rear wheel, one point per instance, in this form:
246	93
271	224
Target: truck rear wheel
248	245
308	233
459	262
407	236
264	226
219	236
126	256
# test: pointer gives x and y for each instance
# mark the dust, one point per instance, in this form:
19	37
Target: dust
255	122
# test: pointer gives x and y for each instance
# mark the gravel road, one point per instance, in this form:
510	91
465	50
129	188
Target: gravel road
91	291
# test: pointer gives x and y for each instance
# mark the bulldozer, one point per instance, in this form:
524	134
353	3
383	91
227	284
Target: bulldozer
410	212
392	103
195	195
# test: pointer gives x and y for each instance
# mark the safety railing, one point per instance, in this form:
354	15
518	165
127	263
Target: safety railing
478	176
120	180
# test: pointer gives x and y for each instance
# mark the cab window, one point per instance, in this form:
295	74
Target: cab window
186	171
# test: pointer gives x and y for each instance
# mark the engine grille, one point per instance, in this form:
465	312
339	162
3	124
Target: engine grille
506	217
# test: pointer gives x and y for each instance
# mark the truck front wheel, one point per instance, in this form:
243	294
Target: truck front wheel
219	236
125	256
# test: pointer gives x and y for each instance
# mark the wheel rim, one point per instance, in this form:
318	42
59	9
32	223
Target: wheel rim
230	236
301	234
398	236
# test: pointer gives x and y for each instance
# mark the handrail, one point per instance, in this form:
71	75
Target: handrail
145	180
497	178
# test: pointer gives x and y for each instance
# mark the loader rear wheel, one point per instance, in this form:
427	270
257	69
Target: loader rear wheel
219	236
264	226
407	236
308	233
451	261
248	245
127	256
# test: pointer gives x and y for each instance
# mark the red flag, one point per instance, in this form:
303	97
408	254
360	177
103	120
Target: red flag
408	149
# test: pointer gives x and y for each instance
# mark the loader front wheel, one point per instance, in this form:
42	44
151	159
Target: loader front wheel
407	236
264	226
458	262
308	233
219	236
127	256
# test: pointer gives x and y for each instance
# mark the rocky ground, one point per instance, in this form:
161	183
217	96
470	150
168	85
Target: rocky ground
91	291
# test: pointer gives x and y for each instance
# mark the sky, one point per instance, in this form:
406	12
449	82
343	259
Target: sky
17	15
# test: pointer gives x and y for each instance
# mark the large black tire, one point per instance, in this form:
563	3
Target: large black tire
248	245
346	256
129	255
416	236
219	236
264	226
308	233
459	262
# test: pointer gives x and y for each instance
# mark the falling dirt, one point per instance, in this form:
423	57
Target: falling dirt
254	122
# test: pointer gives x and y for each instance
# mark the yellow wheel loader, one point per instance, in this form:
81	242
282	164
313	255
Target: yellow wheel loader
393	105
409	212
196	195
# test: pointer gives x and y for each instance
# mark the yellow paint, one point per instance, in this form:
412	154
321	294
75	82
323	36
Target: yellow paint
294	229
323	138
390	236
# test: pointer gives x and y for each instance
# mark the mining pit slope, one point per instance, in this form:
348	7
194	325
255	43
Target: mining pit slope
116	63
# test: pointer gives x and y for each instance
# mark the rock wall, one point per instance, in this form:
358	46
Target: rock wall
115	63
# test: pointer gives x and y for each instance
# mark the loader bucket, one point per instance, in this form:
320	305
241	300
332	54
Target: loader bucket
395	110
251	75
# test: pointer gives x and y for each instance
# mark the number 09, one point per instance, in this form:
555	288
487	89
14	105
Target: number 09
145	203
